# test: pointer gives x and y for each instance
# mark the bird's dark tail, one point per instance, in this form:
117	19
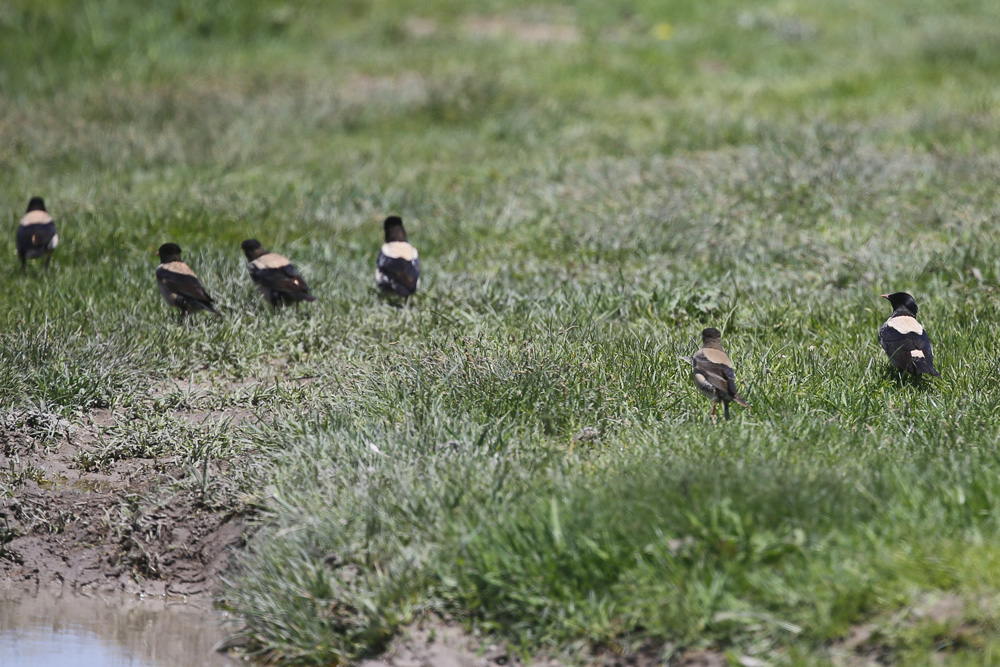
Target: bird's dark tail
208	306
925	366
739	399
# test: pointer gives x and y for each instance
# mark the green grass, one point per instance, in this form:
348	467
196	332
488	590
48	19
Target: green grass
584	205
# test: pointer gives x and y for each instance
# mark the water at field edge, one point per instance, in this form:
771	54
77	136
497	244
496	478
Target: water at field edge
107	630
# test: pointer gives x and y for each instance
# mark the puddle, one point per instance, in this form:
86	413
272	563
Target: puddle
107	631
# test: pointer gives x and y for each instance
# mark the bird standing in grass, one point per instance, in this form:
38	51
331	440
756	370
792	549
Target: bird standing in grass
397	269
275	277
904	339
36	234
713	372
178	284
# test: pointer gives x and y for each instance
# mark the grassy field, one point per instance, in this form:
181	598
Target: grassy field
589	185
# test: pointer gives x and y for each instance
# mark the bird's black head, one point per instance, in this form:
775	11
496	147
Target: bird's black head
711	334
393	227
36	204
169	252
901	300
252	249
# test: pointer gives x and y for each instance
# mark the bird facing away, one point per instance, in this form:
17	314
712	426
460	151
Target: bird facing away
713	372
178	284
275	277
904	339
397	269
36	234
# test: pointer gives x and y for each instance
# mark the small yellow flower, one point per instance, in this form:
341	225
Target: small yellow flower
663	31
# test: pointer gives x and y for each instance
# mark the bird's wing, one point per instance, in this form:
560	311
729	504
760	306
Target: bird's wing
37	236
731	384
717	369
714	373
910	345
403	272
893	340
730	379
284	279
184	284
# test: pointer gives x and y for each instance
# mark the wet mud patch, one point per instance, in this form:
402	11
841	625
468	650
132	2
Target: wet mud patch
530	32
70	518
107	541
438	643
940	624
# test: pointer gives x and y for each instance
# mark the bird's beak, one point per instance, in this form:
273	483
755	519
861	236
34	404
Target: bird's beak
884	296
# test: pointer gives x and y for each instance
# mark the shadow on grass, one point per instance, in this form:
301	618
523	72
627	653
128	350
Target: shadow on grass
892	374
393	300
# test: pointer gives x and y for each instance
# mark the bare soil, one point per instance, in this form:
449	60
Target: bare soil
437	643
498	27
117	529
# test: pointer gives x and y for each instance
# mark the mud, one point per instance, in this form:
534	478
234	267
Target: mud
65	525
500	27
439	643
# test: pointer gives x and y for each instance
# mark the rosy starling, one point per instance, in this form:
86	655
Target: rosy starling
397	269
276	278
904	339
36	235
713	372
179	285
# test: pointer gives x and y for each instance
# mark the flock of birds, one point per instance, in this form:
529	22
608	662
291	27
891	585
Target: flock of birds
397	272
397	268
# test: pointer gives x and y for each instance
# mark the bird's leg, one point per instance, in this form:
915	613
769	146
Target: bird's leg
48	258
24	262
725	405
713	411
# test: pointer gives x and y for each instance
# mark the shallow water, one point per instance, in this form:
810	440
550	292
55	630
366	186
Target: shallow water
107	631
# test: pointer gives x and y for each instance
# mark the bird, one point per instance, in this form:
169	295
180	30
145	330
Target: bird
276	278
713	372
903	338
36	234
178	284
397	268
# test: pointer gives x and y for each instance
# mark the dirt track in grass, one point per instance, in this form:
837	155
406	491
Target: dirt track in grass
121	527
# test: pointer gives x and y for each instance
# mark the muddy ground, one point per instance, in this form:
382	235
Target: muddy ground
123	527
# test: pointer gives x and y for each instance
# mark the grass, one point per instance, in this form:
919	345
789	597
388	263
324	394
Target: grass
585	200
